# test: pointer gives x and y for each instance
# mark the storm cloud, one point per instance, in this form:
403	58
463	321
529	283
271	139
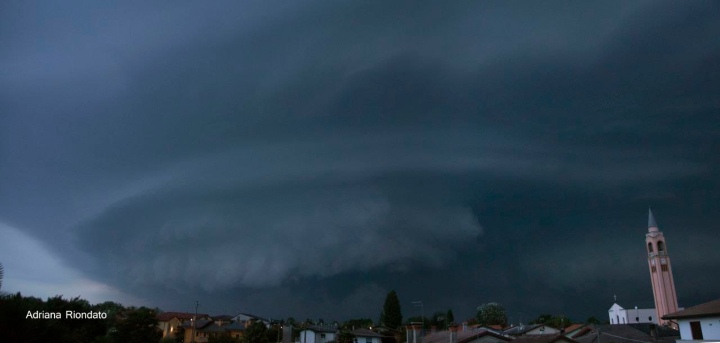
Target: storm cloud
287	158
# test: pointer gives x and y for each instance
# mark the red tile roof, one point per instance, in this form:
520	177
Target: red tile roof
574	327
462	336
557	338
708	309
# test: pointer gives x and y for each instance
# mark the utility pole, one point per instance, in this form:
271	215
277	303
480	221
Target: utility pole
422	315
194	322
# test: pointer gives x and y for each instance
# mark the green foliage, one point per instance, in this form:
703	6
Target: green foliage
492	314
14	327
223	338
391	315
592	320
139	326
274	333
255	333
439	320
345	337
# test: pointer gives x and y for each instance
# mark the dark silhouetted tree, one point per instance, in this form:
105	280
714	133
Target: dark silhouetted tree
255	333
592	320
223	338
392	314
450	316
139	326
491	314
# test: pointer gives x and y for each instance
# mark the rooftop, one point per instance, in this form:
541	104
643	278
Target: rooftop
708	309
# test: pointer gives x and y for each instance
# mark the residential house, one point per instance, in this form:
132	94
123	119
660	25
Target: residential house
574	329
458	335
194	329
532	329
544	338
498	329
222	319
205	329
247	318
699	323
363	335
318	334
626	333
169	322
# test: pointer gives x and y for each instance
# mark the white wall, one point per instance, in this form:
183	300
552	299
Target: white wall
619	315
710	328
316	337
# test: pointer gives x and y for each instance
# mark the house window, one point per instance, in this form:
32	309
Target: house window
650	249
661	246
637	319
696	330
664	267
654	269
368	340
322	335
649	319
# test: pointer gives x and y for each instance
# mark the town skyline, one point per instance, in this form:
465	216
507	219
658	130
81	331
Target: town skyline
304	159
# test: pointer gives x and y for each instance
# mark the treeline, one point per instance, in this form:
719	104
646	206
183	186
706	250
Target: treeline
120	324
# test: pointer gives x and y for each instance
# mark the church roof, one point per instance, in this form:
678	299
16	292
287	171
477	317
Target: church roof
651	219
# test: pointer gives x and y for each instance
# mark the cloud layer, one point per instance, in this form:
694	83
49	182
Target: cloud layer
261	155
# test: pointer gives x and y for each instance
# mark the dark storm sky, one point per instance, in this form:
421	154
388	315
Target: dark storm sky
305	158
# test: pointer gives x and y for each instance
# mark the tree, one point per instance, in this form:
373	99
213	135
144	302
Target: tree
450	317
2	272
223	338
392	314
491	314
139	326
345	337
438	320
255	333
592	320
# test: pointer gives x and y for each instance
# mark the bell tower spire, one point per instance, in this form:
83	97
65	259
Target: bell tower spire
660	271
651	220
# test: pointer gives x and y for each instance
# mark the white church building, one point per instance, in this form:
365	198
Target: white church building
620	315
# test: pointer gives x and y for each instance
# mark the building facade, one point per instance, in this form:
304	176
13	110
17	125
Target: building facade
699	323
619	315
